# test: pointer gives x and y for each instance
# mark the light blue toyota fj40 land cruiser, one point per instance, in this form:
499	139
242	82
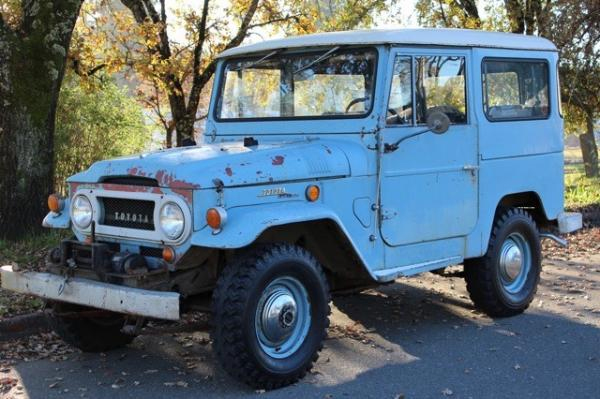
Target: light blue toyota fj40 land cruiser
330	161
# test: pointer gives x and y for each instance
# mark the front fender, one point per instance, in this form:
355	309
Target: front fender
246	223
59	220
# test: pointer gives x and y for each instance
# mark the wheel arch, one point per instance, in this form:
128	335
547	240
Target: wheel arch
328	242
315	227
530	201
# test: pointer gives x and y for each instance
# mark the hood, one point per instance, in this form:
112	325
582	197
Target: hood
232	163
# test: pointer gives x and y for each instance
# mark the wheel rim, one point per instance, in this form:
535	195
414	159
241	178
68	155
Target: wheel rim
514	263
282	317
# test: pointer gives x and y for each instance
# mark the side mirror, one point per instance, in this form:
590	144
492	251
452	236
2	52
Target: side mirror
438	122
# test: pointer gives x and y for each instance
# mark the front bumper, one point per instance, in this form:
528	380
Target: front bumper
116	298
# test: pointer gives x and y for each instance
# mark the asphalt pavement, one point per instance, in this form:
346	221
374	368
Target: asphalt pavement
416	338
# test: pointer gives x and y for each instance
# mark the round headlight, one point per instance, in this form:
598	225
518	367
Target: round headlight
171	220
81	211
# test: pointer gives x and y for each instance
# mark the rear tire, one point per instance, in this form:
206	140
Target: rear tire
504	281
270	313
98	334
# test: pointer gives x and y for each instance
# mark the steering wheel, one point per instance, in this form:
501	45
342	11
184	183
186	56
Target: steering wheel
356	101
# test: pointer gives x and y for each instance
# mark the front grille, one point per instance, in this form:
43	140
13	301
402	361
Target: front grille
151	252
132	214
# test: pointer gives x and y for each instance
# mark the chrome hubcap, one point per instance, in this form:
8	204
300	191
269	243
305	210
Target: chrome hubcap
511	259
278	315
282	317
514	263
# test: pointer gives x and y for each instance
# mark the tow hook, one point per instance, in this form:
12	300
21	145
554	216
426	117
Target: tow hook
560	241
133	329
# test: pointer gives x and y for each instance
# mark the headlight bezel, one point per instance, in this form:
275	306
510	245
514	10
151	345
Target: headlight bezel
74	217
176	234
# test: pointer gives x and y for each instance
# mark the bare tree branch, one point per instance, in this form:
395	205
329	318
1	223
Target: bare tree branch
163	12
295	17
197	85
469	7
241	35
443	13
2	23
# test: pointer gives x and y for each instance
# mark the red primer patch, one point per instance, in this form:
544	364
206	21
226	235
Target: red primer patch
278	160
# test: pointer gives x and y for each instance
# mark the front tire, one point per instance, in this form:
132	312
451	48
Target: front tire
504	281
270	314
98	334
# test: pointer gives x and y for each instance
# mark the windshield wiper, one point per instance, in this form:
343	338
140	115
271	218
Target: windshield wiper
258	62
321	58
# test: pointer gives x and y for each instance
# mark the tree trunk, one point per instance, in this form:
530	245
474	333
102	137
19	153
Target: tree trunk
515	14
32	65
589	148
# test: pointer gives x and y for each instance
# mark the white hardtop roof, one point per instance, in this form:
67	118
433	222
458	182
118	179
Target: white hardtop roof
438	37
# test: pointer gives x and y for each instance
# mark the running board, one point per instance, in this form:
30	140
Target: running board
410	270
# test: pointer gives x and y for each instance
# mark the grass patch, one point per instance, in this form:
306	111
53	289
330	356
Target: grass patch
580	191
28	253
31	248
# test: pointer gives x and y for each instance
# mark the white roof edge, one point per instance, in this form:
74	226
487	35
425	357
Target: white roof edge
418	36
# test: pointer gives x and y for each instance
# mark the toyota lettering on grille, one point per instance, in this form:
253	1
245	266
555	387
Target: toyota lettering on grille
128	213
129	217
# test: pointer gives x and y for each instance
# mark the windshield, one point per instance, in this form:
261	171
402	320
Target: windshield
329	83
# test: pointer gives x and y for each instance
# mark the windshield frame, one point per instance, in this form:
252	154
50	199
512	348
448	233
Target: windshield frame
317	51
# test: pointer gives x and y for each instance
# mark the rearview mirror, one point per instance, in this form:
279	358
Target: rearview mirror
438	122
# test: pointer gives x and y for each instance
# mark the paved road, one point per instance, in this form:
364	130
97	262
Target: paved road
417	338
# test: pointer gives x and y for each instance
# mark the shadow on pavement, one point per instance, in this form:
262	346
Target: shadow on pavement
401	339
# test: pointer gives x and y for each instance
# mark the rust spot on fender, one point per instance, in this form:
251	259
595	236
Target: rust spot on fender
187	195
181	187
278	160
166	179
228	171
136	171
73	188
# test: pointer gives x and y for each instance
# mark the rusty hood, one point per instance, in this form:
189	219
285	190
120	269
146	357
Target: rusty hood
235	165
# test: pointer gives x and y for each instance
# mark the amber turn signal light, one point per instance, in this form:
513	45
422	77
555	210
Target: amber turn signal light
55	203
168	254
313	193
216	217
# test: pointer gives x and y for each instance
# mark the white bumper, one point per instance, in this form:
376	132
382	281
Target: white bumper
569	222
116	298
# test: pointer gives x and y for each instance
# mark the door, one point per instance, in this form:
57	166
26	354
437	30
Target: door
429	184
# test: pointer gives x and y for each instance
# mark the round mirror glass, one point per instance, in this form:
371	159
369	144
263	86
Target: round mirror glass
438	122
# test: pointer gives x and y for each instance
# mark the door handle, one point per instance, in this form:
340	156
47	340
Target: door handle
471	168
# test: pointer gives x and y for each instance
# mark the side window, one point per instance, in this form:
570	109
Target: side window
515	89
440	87
400	106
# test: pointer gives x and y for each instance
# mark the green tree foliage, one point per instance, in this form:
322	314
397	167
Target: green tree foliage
175	75
336	15
96	124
